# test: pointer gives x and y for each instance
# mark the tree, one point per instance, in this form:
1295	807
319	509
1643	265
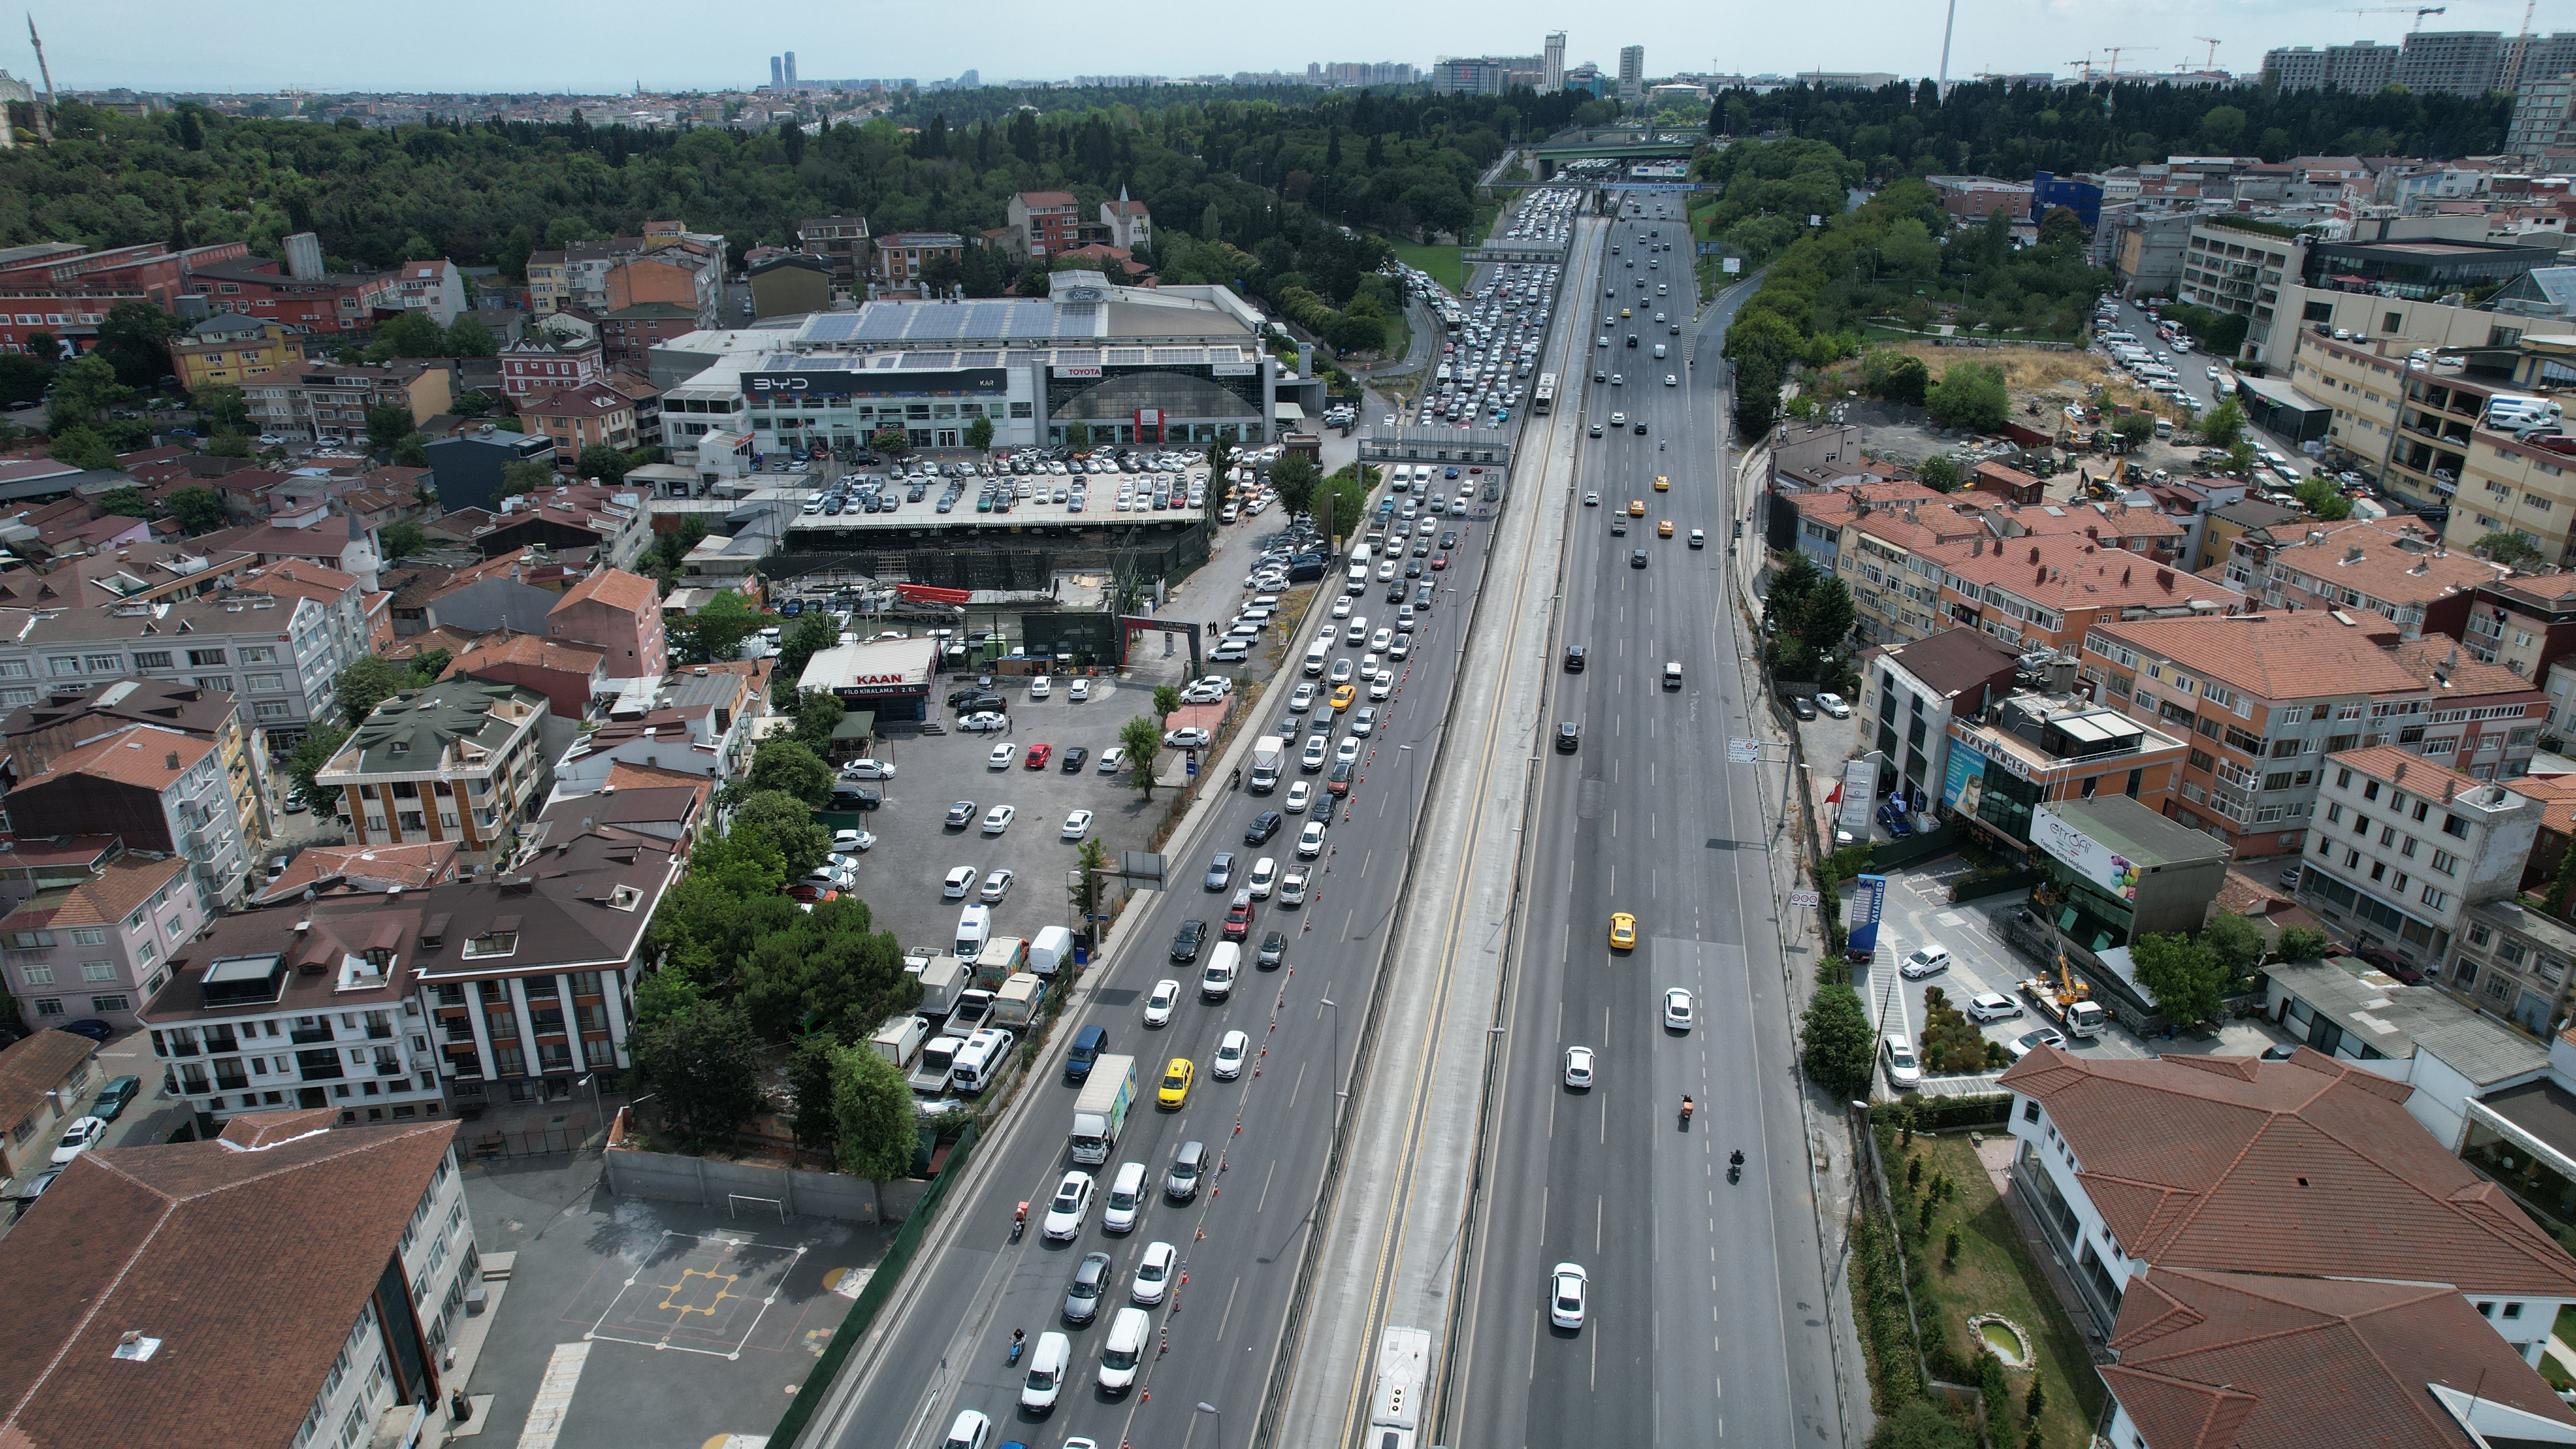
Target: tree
2511	549
1167	697
2224	425
1091	858
407	334
2182	976
879	1130
789	825
1940	471
1895	377
468	337
1970	395
979	434
134	337
1757	397
2062	227
388	423
809	636
2322	498
221	408
785	764
703	1062
365	683
428	665
2302	943
2235	946
715	633
311	754
818	713
892	442
810	1072
403	539
1920	1424
412	451
230	445
126	501
1142	739
1294	477
82	447
2135	428
518	478
602	462
2561	882
197	509
1077	436
85	390
23	379
1840	1050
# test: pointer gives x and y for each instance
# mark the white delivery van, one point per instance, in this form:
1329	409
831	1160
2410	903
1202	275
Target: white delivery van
974	927
1049	949
1129	1333
982	1059
1217	982
1315	655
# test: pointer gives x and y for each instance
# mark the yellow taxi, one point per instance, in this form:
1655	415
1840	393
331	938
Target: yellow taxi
1624	312
1664	528
1175	1091
1343	694
1636	508
1663	484
1623	932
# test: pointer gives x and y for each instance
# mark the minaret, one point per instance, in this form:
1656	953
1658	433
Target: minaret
44	113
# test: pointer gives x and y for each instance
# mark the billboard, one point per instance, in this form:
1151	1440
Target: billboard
1861	911
1860	791
2083	854
838	382
1963	782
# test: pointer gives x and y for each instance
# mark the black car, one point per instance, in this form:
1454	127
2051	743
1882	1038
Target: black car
1082	1296
1449	539
1074	758
91	1027
1274	949
1632	339
114	1097
1641	427
1263	826
1422	596
1187	940
1802	707
1574	656
1395	592
974	701
1569	736
1637	558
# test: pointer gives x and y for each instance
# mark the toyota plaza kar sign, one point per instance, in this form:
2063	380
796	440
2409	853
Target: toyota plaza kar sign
2083	854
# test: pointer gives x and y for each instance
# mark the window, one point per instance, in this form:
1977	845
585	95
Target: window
117	1002
98	971
496	943
2453	825
37	975
152	659
200	657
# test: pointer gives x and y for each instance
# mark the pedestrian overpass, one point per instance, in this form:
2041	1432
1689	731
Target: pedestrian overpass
1614	143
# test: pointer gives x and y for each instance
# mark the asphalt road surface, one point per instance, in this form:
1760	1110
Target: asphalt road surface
940	1345
1706	1319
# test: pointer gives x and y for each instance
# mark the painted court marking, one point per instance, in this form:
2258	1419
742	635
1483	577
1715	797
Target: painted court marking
698	1295
554	1396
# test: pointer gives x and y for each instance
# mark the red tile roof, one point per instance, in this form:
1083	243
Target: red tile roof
2244	1361
34	1065
136	755
2279	655
2236	1165
629	593
2070	571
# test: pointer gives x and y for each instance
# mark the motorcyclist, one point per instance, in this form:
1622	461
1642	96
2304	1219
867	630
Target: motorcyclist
1735	1158
1687	1106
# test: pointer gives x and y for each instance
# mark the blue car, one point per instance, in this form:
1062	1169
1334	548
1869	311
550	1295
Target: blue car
1895	822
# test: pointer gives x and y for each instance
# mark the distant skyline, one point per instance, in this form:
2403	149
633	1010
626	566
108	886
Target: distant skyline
596	46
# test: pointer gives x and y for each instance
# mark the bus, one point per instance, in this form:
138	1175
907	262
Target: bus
1543	401
1403	1379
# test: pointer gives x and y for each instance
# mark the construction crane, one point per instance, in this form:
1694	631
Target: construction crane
2114	52
2418	11
2212	62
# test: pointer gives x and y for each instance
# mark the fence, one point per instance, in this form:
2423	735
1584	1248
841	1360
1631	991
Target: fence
530	1137
673	1177
1982	884
881	1286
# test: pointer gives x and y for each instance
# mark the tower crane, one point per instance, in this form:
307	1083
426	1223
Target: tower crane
2418	11
2212	62
2114	52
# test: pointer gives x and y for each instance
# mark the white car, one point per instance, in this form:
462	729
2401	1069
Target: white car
996	886
867	770
1077	825
1379	641
1928	961
1042	686
1382	685
999	818
1153	1274
1113	759
1677	1008
1364	723
1833	704
1342	671
969	1432
78	1138
1001	757
960	881
1231	1049
1310	841
1993	1006
1341	608
1191	738
1347	751
852	841
1126	1199
1567	1288
1292	888
1898	1053
1402	646
1158	1007
1671	381
1078	691
983	722
1578	1066
1066	1210
1300	795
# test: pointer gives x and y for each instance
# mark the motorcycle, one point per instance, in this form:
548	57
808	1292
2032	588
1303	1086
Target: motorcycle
1019	1222
1019	1341
1688	1106
1735	1165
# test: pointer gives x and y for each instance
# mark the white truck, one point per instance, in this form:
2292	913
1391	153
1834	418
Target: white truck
930	1070
1266	754
2063	1002
900	1038
941	980
1101	1110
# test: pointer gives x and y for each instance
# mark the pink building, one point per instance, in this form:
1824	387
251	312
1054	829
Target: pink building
619	614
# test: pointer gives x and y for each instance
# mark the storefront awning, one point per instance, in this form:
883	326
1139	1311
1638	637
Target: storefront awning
1287	412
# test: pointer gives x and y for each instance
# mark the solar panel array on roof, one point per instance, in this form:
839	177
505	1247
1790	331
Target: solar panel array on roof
928	361
830	327
979	359
1126	357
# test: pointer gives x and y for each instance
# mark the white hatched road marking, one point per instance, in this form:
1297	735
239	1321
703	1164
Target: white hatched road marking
554	1396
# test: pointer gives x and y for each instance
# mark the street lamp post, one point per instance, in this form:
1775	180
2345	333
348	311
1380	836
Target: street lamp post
1337	1044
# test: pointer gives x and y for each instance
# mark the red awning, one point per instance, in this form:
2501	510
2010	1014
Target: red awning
927	594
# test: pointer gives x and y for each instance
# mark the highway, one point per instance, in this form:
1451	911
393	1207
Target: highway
1706	1321
939	1346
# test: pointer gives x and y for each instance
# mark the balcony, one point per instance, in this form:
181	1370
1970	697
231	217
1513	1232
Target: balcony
390	1069
311	1073
376	1032
307	1035
231	1082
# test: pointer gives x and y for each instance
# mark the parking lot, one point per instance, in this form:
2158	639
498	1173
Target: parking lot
901	877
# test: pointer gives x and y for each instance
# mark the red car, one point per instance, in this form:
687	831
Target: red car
1238	920
1039	755
1440	560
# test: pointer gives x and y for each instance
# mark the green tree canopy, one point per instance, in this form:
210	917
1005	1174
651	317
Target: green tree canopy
468	337
198	509
2302	943
310	755
407	334
134	337
1941	471
1841	1052
602	462
365	683
126	501
716	632
2183	977
704	1064
879	1131
818	713
1970	395
388	423
403	539
789	766
221	408
84	390
2511	549
81	446
518	478
789	824
1294	477
1142	739
979	434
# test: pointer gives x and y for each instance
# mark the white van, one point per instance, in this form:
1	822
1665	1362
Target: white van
1126	1199
1315	655
1265	874
1047	1365
1129	1332
1217	982
974	928
982	1059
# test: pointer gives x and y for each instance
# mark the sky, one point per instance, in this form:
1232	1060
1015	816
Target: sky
609	46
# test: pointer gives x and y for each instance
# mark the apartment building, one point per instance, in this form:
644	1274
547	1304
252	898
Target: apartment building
2362	68
35	735
2239	266
43	1076
1892	560
580	275
628	335
2397	568
275	656
436	290
457	761
228	350
304	299
543	362
2032	748
609	519
2261	698
841	242
2237	541
1911	690
899	257
1044	223
2526	623
2479	718
2048	591
156	789
1811	518
149	1295
103	946
571	676
1129	224
1974	198
327	403
619	614
2404	846
579	417
2452	62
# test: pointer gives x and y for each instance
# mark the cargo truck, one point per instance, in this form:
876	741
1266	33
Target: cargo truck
1266	754
1101	1110
900	1038
941	980
1001	956
1017	1001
